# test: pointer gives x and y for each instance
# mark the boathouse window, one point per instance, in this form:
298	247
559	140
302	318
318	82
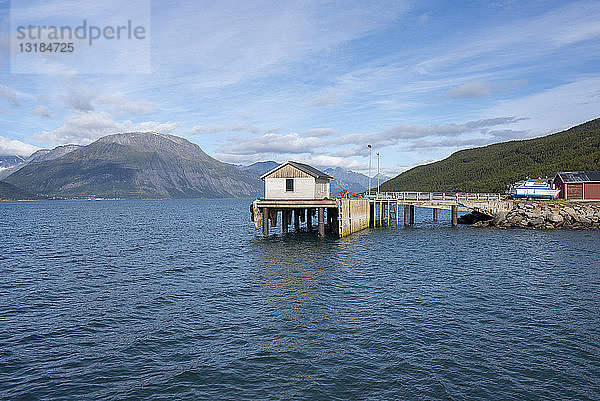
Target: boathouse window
289	185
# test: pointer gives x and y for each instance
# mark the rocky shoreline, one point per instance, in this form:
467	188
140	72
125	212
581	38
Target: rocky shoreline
543	215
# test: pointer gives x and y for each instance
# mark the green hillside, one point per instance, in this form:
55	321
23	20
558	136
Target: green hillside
10	192
490	168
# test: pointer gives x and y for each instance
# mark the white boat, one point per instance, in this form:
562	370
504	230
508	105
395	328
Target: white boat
535	189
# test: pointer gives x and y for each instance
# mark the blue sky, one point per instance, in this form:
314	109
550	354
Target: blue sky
317	81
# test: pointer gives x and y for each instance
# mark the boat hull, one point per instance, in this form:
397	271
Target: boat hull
536	193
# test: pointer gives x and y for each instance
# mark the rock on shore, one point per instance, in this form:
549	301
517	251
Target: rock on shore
550	215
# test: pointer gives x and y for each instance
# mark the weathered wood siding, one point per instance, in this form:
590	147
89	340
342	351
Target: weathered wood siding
322	188
592	190
574	191
353	216
288	171
304	188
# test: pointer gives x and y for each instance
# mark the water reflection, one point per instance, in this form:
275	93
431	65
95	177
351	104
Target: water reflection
302	291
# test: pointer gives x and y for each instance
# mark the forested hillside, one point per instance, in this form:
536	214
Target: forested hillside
491	168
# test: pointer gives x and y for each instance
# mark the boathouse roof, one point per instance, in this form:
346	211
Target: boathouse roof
579	176
310	170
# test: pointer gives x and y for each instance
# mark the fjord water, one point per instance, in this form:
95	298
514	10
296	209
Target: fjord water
181	299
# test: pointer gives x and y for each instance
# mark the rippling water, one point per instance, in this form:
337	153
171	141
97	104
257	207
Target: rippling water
181	299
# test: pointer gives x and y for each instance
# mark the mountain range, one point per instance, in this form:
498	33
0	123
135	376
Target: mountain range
9	163
491	168
14	163
133	165
260	167
10	160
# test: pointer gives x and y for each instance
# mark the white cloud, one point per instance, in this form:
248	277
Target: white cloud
334	161
246	116
234	41
147	126
404	134
331	148
328	99
474	89
42	111
581	31
556	108
86	95
520	40
11	147
85	127
9	94
320	132
122	105
272	143
213	129
479	89
79	97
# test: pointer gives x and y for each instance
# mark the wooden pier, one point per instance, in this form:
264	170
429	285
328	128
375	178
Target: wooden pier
388	203
339	216
349	215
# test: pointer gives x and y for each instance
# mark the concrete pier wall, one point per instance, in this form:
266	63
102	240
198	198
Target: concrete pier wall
353	215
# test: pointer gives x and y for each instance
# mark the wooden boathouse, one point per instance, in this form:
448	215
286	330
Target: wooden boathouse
296	193
297	181
578	185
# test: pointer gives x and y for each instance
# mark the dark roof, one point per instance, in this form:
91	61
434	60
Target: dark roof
303	167
579	176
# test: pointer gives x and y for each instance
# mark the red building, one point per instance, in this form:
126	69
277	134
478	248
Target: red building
578	185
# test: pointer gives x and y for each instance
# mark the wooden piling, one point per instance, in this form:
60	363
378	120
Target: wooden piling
321	222
454	212
297	220
434	214
309	219
412	214
374	214
284	221
388	213
334	222
406	215
265	221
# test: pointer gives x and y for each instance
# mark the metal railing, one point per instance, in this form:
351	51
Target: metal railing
434	196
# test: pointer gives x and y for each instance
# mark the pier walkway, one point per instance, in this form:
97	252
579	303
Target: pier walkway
344	216
487	203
